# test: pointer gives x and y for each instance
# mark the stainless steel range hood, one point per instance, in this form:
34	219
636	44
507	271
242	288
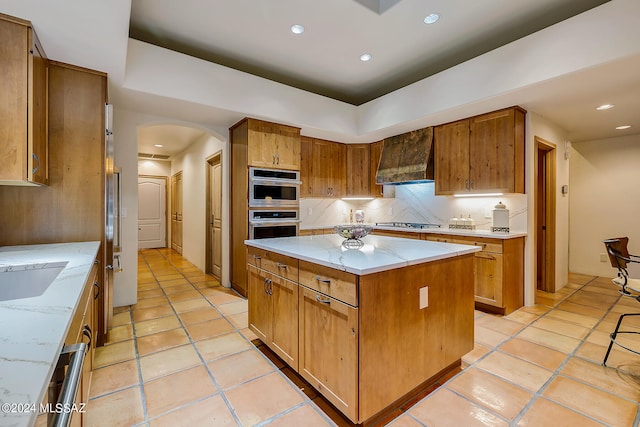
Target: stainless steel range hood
407	158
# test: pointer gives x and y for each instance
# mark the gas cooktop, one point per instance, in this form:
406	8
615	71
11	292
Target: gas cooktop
408	225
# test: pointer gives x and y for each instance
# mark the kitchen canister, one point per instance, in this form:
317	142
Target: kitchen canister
500	218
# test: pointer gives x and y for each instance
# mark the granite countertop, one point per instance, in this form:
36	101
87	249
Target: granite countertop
442	230
33	330
379	253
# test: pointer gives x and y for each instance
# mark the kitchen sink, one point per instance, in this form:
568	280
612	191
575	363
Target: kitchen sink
27	280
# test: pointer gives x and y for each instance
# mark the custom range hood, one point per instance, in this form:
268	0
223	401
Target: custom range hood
407	158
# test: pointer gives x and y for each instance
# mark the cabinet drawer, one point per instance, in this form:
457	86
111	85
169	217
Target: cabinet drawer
335	283
488	245
444	238
280	265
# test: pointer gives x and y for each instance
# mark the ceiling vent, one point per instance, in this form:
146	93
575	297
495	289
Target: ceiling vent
153	156
407	158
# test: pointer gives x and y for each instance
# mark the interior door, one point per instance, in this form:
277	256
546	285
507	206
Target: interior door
176	212
215	219
152	212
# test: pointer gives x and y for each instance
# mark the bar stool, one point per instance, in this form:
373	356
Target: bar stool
619	257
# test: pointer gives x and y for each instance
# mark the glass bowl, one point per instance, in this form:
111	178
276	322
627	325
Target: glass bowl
353	233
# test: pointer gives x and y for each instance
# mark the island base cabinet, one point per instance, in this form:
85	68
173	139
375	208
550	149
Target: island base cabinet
273	313
329	349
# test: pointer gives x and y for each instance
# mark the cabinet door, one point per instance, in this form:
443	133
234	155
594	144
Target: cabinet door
488	274
451	167
260	310
261	144
288	148
358	166
38	168
375	154
492	152
321	168
306	158
329	349
284	331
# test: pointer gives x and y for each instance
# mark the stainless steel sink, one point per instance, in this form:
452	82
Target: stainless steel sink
27	280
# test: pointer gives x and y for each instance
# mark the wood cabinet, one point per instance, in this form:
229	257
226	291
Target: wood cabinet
323	168
333	170
262	144
329	349
82	329
273	304
375	153
498	271
358	169
480	154
72	208
394	233
272	145
353	330
23	105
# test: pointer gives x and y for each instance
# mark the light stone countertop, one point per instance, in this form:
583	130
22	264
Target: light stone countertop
379	253
33	330
442	230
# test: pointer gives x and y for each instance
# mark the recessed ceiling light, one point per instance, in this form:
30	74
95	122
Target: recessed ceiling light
158	145
432	18
297	29
623	127
605	107
365	57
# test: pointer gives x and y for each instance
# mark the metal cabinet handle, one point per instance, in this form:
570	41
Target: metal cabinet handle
484	245
485	256
256	256
323	300
280	265
466	184
86	331
36	159
320	279
97	294
471	184
268	286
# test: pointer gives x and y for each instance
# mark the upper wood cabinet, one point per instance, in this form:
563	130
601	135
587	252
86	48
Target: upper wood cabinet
358	169
272	145
375	148
323	168
480	154
23	105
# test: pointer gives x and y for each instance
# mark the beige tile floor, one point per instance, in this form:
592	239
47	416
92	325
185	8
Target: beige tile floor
183	356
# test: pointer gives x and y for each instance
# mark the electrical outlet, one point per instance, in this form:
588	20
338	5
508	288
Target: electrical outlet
603	257
424	297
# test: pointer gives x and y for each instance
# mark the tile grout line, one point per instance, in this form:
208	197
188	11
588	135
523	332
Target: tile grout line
192	344
306	399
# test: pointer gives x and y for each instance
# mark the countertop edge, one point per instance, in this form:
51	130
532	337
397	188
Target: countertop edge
444	230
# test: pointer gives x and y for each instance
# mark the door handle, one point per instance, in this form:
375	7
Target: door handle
323	300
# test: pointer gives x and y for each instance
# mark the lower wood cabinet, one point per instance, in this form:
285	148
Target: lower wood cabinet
498	270
273	313
329	349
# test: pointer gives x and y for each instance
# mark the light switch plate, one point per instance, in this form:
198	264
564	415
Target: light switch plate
424	297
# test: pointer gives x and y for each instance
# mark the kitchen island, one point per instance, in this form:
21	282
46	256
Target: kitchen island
33	329
367	327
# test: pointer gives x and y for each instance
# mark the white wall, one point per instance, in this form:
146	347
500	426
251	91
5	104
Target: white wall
126	124
192	163
543	128
605	200
154	167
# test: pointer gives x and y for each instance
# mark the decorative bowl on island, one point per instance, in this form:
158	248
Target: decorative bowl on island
353	234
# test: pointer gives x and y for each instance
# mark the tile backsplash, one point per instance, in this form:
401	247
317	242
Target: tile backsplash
414	203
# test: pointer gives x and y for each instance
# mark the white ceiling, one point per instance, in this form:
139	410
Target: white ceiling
253	35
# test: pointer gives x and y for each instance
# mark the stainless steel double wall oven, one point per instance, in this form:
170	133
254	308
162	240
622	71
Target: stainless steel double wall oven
274	200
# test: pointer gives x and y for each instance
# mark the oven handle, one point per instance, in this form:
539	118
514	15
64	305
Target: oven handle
279	182
275	222
70	383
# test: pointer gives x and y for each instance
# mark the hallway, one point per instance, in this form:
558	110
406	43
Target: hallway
184	356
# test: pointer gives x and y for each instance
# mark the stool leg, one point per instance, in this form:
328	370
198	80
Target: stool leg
613	337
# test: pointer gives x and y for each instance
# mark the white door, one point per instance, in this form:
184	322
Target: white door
152	216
